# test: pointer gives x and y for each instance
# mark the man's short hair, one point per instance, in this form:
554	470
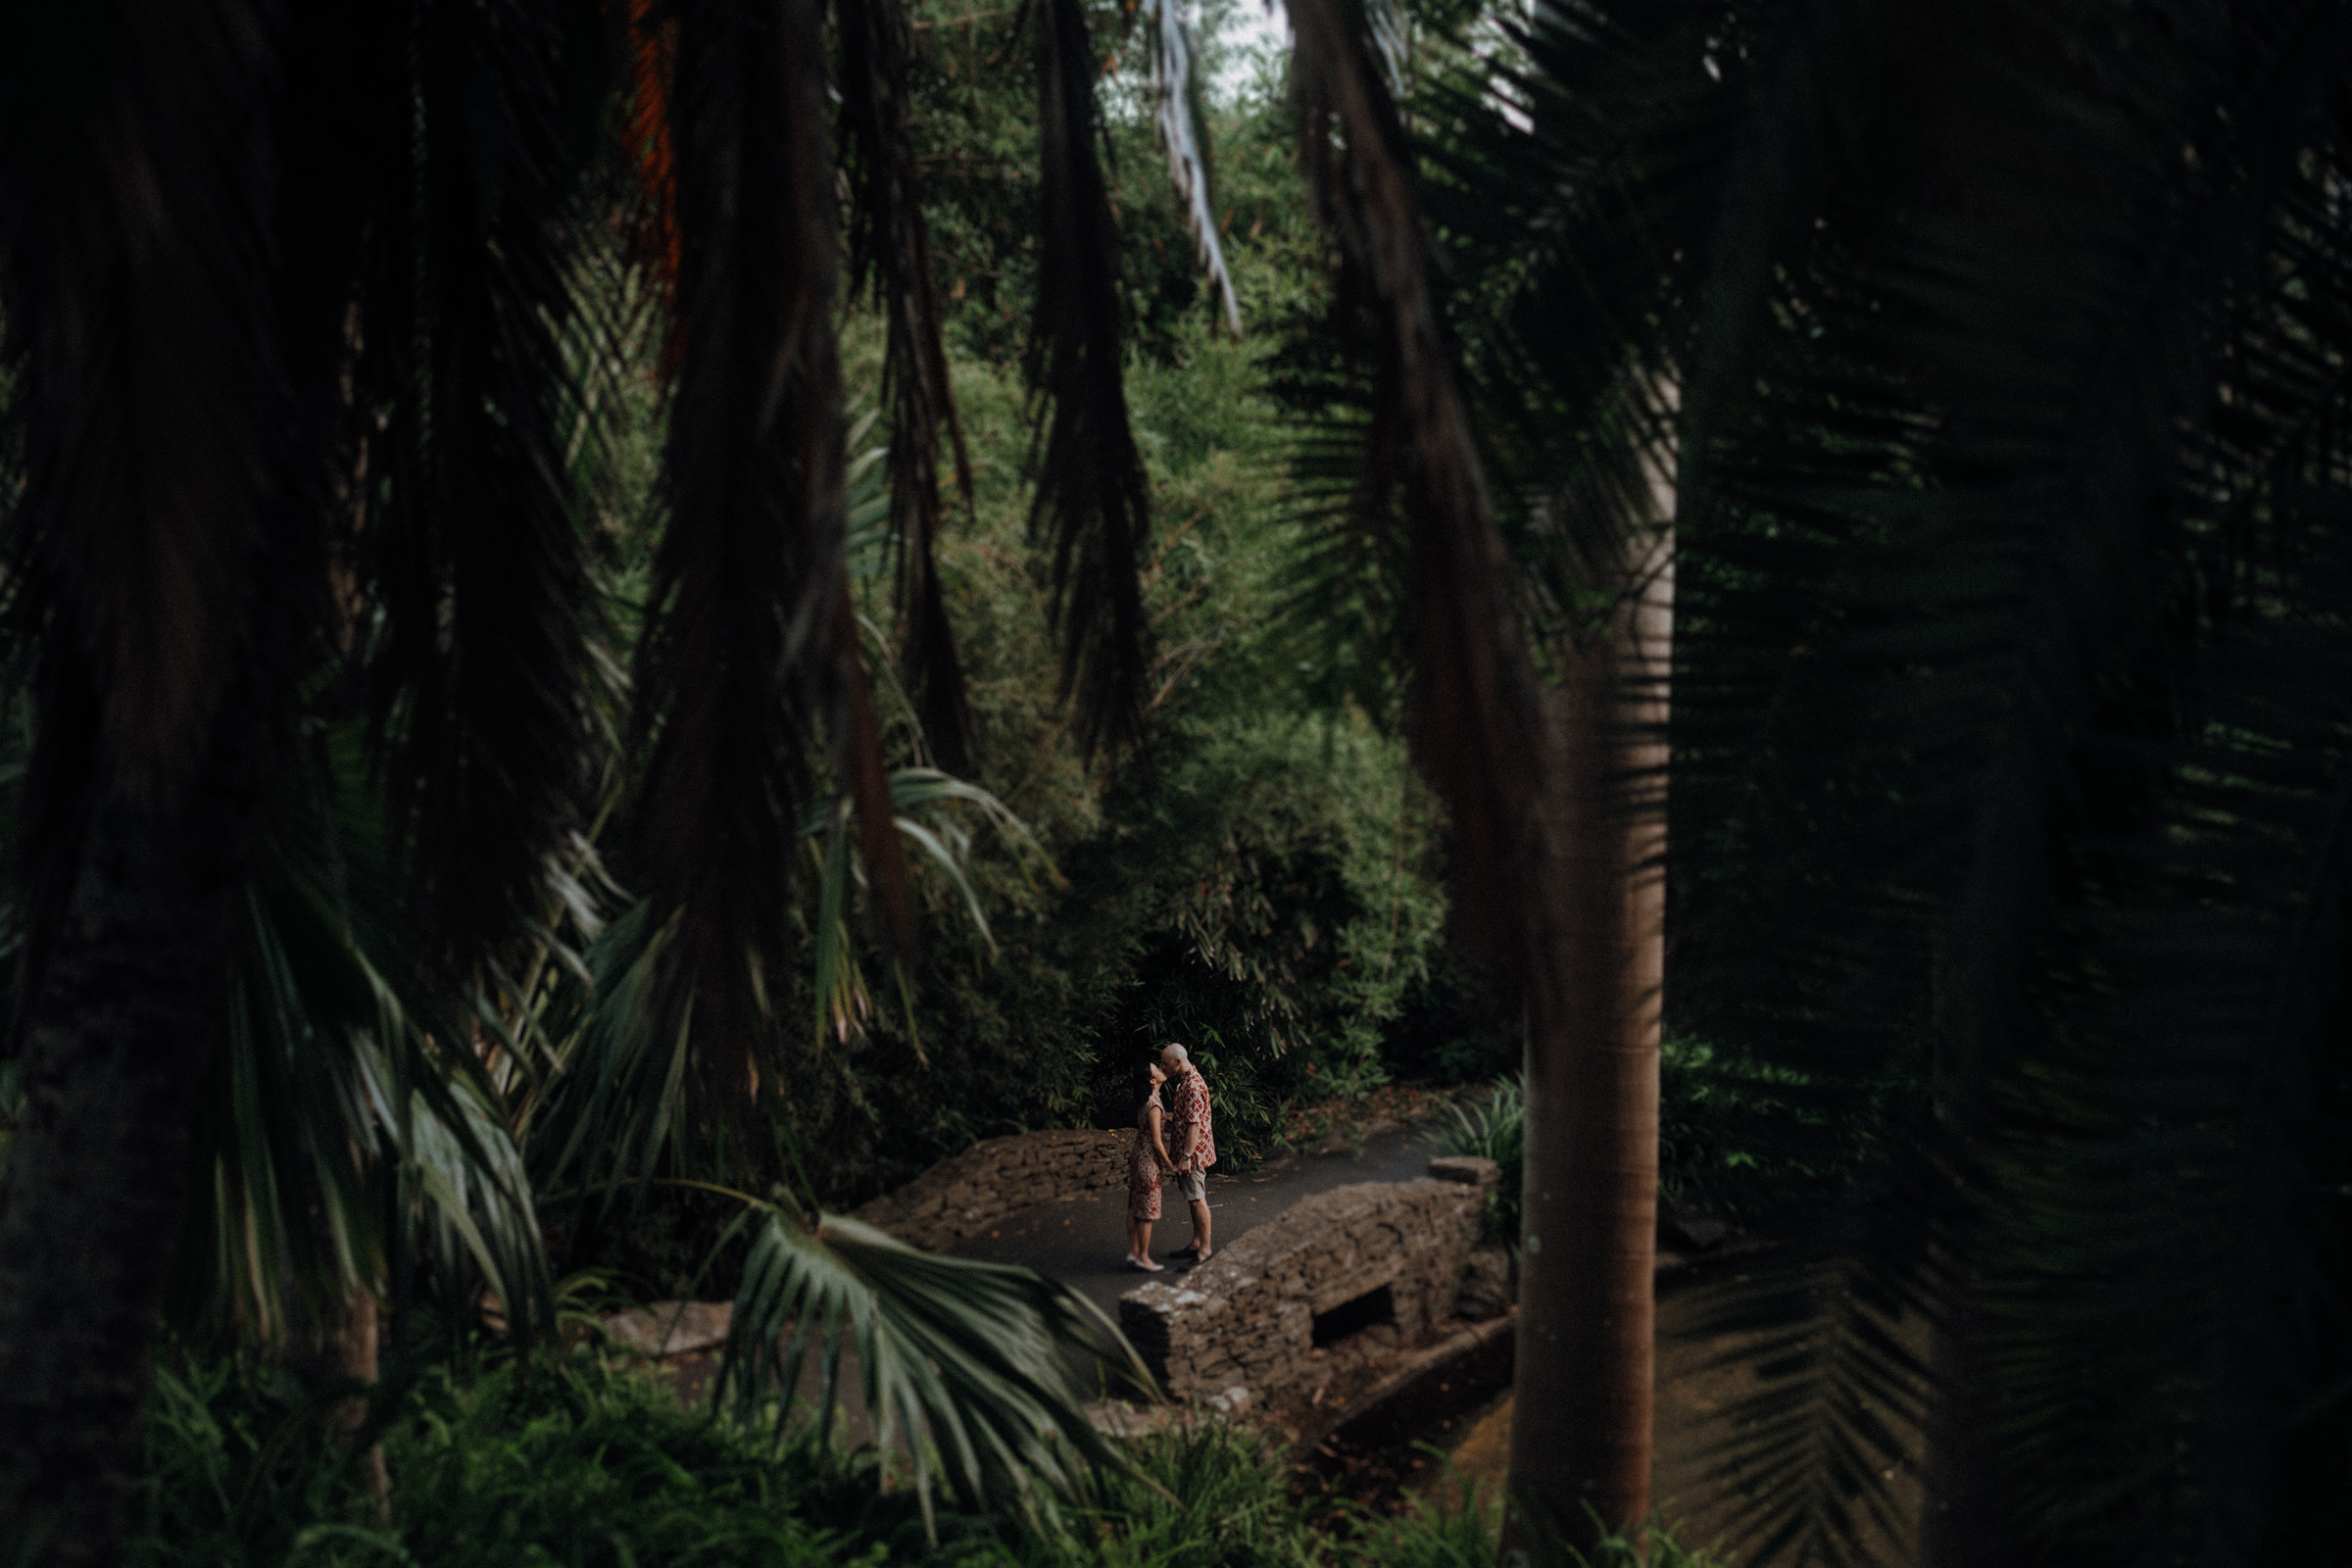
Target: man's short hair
1173	1049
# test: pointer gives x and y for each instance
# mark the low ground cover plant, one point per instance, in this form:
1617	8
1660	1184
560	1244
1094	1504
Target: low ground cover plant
569	1458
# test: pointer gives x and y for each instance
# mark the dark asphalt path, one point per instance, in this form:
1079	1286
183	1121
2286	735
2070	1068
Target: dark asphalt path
1083	1242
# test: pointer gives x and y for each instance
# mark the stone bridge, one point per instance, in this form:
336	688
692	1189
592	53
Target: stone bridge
1333	1266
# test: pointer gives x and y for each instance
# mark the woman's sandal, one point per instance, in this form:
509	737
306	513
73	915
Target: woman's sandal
1148	1267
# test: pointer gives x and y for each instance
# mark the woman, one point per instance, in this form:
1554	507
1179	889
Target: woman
1144	1165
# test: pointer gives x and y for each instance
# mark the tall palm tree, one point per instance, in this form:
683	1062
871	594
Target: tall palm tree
2008	527
290	298
2010	558
1550	779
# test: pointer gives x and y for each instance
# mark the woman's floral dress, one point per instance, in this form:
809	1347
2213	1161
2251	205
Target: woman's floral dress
1143	1166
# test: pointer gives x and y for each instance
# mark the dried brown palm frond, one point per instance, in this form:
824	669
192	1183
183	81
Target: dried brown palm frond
1092	504
1179	115
1475	720
471	547
890	253
748	647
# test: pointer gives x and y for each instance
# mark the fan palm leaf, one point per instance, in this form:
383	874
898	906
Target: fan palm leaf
606	1105
970	1368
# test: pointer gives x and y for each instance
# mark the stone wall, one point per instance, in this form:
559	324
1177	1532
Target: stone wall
1247	1317
998	1176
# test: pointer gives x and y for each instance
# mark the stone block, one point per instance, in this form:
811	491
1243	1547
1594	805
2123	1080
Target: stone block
974	1192
1471	1170
662	1329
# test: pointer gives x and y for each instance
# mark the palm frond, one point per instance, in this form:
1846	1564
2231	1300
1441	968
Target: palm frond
971	1369
1177	113
143	357
890	250
341	1149
481	594
1092	505
2012	441
844	997
739	656
606	1110
1475	719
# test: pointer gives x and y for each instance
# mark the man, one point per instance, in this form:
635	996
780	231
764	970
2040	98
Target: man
1190	1142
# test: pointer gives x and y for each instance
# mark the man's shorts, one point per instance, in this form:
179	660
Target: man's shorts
1194	1185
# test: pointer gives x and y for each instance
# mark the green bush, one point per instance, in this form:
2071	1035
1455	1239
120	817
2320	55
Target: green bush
1205	1495
567	1459
1494	1128
561	1459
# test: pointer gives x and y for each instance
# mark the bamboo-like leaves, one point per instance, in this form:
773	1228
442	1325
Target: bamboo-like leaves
970	1369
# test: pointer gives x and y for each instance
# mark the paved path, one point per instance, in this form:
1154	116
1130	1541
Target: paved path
1083	1242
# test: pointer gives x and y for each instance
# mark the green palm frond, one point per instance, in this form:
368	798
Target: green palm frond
607	1103
342	1148
844	999
972	1370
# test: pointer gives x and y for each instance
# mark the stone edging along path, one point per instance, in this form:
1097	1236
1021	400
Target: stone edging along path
965	1196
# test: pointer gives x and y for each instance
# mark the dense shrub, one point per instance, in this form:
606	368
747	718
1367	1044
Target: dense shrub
505	1463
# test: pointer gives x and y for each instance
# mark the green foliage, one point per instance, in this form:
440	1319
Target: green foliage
967	1366
556	1460
1201	1494
566	1459
1494	1128
1261	880
1745	1136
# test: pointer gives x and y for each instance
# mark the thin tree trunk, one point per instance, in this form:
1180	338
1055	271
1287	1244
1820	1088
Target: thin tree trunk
1581	1410
342	1349
115	1048
1959	1524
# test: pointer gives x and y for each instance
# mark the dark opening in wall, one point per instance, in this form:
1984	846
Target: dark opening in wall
1354	1317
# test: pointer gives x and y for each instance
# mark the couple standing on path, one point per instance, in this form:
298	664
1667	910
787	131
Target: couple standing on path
1187	1130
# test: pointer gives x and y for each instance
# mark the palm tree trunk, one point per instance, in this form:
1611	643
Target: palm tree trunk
1581	1410
115	1046
340	1347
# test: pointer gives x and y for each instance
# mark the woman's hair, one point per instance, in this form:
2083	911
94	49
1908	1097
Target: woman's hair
1142	1080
